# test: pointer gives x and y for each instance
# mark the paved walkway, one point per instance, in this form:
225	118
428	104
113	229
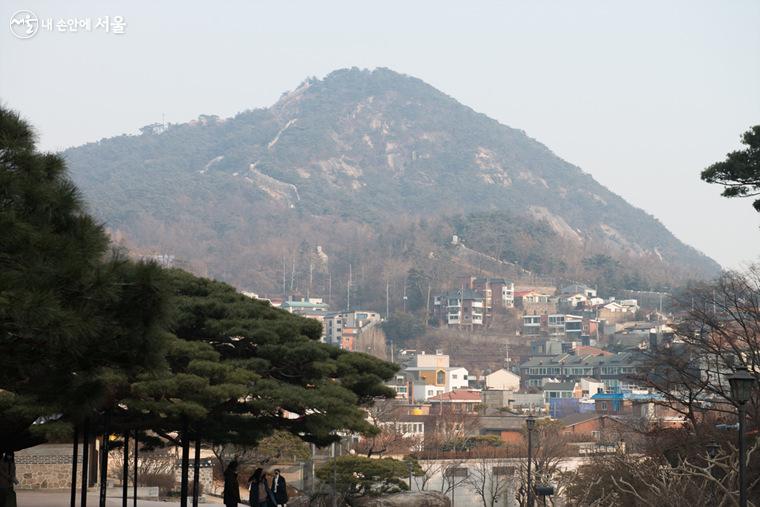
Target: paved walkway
62	498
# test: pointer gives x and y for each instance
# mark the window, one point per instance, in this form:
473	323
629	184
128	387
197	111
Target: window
454	376
440	377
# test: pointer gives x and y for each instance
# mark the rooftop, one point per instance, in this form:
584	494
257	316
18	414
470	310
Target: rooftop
573	419
619	359
456	294
585	350
559	386
456	397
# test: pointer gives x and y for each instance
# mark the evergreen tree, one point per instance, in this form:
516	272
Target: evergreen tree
740	172
76	320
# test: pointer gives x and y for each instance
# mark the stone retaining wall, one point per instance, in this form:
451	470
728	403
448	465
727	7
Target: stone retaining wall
206	473
47	467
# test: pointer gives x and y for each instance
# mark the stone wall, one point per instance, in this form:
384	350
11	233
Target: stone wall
206	472
47	466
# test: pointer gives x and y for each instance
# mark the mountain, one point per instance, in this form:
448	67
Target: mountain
378	170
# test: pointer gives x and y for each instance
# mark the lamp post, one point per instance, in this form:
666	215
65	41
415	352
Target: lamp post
530	423
742	382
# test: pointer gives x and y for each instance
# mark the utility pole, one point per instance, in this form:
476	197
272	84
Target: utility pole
311	277
404	303
283	277
348	290
387	299
334	479
293	274
427	307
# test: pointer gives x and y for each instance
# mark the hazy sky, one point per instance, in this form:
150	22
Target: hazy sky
641	94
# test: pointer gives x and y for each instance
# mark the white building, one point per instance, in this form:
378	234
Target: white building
340	325
457	378
503	380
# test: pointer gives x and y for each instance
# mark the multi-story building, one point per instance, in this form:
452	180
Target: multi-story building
344	328
460	308
614	370
305	306
498	293
431	374
572	327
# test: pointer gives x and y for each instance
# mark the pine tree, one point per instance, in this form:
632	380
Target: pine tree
77	320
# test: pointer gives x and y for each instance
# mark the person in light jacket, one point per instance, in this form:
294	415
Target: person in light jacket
260	493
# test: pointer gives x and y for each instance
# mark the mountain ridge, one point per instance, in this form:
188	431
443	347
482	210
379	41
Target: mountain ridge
361	148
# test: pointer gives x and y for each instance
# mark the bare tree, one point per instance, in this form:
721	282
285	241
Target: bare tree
632	481
491	475
719	329
548	450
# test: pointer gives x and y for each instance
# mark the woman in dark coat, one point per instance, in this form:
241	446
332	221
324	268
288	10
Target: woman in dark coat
260	493
231	485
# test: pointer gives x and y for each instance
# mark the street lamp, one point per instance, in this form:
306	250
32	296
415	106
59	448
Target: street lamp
742	383
530	423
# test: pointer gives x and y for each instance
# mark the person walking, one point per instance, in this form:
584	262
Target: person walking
260	493
7	479
279	489
231	485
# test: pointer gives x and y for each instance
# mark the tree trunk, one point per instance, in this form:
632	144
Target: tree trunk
197	472
104	460
134	480
75	456
85	461
125	471
185	465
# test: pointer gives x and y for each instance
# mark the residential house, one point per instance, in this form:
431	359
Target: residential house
344	328
584	290
402	385
591	386
305	306
421	391
455	402
503	380
615	371
460	308
498	293
431	375
555	390
509	428
457	378
555	324
534	301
